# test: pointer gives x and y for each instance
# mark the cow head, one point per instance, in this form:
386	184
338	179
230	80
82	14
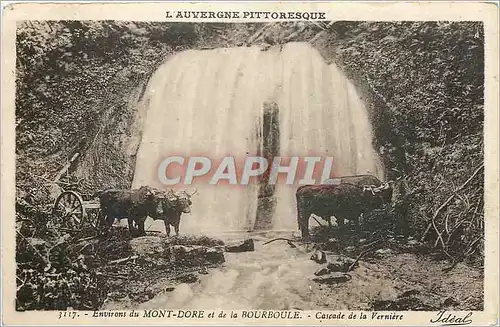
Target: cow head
180	202
189	196
184	202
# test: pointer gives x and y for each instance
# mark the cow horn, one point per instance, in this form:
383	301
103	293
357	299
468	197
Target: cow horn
383	186
370	188
190	195
171	195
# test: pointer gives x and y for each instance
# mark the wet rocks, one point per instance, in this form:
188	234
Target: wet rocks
215	255
156	250
334	263
409	293
338	264
193	240
318	257
333	278
196	255
241	246
117	301
341	264
322	271
157	264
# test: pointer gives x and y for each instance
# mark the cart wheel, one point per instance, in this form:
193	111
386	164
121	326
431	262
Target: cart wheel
68	210
94	218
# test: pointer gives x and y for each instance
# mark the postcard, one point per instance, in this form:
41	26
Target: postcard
252	163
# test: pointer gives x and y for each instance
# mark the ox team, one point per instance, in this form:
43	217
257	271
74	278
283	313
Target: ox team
346	197
136	205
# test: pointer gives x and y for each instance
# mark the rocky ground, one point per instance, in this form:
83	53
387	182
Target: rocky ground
374	269
155	263
398	273
87	270
258	270
250	272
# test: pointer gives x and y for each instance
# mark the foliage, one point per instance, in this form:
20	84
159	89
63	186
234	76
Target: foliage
71	76
424	82
51	273
59	289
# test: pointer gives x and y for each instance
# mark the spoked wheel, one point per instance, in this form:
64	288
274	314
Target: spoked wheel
94	219
68	211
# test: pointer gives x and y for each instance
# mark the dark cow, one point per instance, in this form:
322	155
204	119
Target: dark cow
135	205
173	207
364	181
344	201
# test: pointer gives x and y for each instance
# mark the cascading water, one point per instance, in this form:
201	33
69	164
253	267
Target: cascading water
212	103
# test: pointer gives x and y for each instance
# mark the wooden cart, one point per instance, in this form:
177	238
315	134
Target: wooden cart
73	213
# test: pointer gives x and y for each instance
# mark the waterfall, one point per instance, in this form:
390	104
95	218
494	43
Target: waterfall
213	103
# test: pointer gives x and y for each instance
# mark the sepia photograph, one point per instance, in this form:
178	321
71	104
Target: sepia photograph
181	168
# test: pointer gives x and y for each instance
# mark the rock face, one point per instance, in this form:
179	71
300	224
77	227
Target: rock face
245	246
341	264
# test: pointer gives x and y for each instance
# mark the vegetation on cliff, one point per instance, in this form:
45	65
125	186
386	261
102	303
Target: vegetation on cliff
424	83
73	84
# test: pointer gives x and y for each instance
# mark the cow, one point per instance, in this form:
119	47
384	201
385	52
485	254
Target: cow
135	205
358	180
173	207
344	201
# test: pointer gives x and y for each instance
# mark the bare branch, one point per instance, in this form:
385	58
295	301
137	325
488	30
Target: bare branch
281	239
